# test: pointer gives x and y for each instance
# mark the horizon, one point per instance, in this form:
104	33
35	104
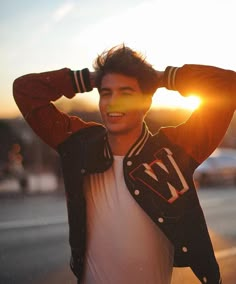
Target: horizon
71	106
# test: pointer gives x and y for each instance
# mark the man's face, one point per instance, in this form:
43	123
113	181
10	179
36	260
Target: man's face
122	104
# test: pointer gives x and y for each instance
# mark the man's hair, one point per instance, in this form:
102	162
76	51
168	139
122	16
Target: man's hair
123	60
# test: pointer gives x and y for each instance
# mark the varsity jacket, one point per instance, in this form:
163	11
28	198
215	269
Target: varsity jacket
158	168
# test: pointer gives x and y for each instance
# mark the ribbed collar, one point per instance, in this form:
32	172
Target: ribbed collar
139	144
135	149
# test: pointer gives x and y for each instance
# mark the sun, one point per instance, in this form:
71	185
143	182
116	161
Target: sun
175	100
192	102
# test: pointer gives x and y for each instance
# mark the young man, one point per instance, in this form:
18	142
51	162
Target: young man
132	207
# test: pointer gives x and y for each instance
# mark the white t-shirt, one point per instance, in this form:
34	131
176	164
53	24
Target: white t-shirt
123	244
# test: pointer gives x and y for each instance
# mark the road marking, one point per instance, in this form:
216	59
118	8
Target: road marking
225	253
20	224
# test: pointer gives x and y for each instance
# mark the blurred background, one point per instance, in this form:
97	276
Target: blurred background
38	36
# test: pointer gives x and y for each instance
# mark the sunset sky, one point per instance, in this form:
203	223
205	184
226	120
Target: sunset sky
37	36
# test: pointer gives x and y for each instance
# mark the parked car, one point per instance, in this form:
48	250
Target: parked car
218	169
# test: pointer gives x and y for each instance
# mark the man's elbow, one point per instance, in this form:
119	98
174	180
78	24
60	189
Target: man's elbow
17	86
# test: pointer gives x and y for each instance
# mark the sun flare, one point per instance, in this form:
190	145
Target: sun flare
175	100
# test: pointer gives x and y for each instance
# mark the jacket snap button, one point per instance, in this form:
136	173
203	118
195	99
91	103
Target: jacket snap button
129	163
160	220
136	192
184	249
82	171
204	279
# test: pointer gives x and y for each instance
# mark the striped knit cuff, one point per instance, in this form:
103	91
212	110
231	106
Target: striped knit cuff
169	78
81	80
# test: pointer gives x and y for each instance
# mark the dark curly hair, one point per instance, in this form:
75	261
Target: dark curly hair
123	60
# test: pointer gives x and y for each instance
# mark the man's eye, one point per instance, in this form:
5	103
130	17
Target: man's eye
127	94
104	94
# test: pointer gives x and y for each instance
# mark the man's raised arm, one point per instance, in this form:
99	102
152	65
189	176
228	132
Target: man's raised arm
34	94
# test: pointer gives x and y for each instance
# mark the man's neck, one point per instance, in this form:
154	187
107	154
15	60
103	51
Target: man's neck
121	144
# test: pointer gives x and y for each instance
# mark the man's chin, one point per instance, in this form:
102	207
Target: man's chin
116	130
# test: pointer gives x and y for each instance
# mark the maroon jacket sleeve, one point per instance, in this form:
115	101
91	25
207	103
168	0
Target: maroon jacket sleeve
207	125
34	95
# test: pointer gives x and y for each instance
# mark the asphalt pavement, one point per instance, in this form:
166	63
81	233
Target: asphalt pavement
34	238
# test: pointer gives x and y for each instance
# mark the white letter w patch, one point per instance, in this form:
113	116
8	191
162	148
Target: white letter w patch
162	176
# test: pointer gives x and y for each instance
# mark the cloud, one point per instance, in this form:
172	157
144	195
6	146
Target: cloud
62	11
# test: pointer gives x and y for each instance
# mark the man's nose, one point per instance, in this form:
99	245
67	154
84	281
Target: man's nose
116	100
118	103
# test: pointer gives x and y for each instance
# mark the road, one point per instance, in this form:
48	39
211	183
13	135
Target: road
34	238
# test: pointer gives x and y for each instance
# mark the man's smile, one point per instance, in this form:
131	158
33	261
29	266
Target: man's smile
115	114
